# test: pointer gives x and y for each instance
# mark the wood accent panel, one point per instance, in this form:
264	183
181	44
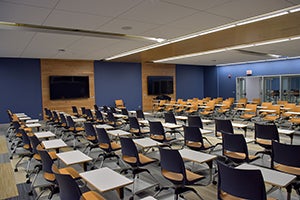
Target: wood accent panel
274	28
51	67
152	69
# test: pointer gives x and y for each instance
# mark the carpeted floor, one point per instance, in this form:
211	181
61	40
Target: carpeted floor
208	192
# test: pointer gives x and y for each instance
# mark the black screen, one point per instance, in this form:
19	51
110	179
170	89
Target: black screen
69	87
160	85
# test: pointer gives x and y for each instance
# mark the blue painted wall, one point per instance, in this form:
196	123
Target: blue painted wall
118	81
189	82
20	86
211	82
227	85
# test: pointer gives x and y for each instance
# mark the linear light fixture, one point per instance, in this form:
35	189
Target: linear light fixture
71	31
220	28
257	61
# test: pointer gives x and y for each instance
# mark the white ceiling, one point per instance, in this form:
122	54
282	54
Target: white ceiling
166	19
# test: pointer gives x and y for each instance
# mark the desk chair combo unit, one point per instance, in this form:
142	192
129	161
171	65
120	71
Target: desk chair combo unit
173	169
234	148
136	129
107	146
170	118
137	162
240	184
49	175
194	140
157	132
264	134
285	158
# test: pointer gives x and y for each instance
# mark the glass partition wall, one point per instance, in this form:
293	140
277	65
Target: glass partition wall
269	88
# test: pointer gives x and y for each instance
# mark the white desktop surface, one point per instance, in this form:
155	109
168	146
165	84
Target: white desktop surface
77	120
239	125
293	113
34	125
29	121
105	179
105	126
196	156
268	111
54	144
286	131
270	176
24	118
20	114
118	133
181	117
171	125
44	134
73	157
144	121
205	131
146	142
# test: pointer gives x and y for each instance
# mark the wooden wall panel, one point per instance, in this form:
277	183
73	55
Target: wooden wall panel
67	68
153	69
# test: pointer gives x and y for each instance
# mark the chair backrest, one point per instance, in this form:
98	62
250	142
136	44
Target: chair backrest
68	188
223	125
170	118
103	138
63	119
89	129
75	110
129	150
124	111
193	135
112	109
83	109
140	114
253	108
171	161
235	143
47	163
111	117
286	154
134	125
156	128
70	122
105	108
245	184
25	140
119	103
99	115
34	143
195	121
96	107
266	132
89	114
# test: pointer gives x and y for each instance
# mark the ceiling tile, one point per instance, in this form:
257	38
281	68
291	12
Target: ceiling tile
157	12
45	45
22	14
34	3
75	20
242	9
13	42
111	8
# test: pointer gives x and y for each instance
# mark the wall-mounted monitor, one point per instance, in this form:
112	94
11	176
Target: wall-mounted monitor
158	85
69	87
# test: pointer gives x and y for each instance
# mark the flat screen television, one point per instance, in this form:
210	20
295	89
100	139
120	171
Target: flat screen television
69	87
158	85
